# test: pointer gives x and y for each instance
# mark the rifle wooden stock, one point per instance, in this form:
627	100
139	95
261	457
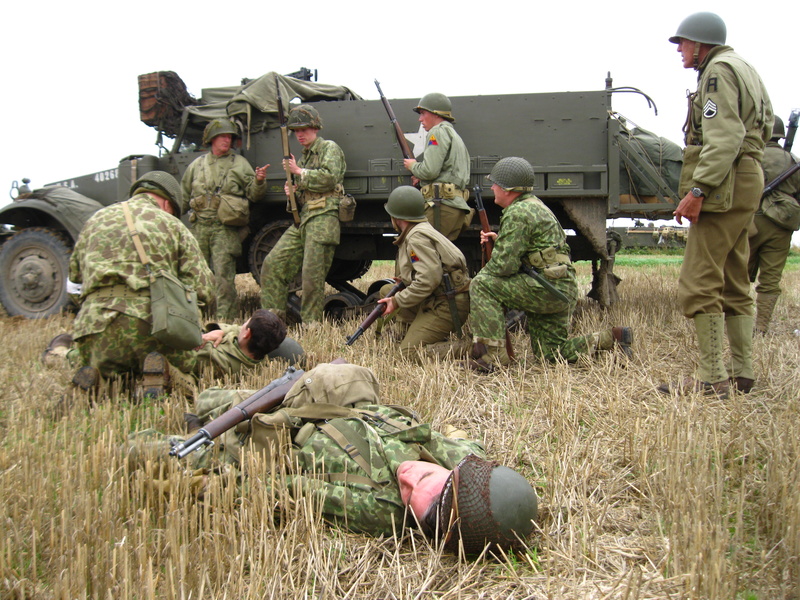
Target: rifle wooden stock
373	316
286	155
488	245
398	132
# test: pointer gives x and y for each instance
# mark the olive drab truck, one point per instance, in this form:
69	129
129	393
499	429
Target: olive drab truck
591	165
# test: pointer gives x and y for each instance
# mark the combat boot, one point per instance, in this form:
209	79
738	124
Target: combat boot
487	355
458	348
765	305
155	375
56	351
740	340
86	378
617	337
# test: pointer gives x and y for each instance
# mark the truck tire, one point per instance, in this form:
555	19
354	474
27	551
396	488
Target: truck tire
34	271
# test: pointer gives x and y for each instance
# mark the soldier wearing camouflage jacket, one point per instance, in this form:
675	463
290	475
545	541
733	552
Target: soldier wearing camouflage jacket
112	328
729	121
529	236
220	172
308	248
444	169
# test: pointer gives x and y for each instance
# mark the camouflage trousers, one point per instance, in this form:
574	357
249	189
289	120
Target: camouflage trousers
122	347
429	322
308	249
548	317
769	249
221	246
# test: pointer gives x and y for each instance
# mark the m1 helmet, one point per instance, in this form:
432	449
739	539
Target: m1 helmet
484	503
778	129
406	203
703	27
438	104
162	184
303	116
514	174
218	127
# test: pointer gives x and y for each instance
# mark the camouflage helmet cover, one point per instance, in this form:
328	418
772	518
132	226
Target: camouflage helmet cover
438	104
218	127
406	203
513	174
163	184
304	116
703	27
482	503
778	129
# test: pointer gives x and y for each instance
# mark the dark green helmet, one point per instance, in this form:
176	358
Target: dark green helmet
514	174
482	503
406	203
703	27
218	127
438	104
778	129
163	184
304	116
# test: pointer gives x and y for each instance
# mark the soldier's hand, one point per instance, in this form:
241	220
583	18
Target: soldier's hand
261	173
291	164
286	189
213	336
409	162
488	236
689	208
390	305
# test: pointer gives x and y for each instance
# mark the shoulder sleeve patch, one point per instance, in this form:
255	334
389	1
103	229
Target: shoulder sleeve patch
709	109
712	85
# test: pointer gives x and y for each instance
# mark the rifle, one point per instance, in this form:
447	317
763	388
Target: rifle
486	255
373	316
286	154
398	132
264	400
780	179
791	129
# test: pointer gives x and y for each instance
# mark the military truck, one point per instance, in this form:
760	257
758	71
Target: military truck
591	164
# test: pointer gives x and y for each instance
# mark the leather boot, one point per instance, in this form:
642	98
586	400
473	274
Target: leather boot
765	305
86	378
56	350
487	355
740	340
155	375
616	337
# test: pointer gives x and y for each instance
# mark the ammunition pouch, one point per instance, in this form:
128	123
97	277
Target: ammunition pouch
443	191
550	263
783	210
204	203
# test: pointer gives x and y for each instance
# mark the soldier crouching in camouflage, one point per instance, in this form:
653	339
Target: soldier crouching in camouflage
112	329
309	248
371	468
529	236
435	301
209	180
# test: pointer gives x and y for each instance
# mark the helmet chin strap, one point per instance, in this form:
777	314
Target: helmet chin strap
696	55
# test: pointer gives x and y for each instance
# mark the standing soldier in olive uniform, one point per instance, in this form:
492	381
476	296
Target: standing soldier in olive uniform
776	219
435	300
318	177
444	170
729	121
219	173
529	236
112	329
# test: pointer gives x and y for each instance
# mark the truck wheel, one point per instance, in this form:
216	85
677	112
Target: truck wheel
262	243
34	271
342	305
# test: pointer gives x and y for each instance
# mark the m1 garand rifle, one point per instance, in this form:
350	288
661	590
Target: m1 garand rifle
283	120
787	145
791	129
398	132
264	400
379	309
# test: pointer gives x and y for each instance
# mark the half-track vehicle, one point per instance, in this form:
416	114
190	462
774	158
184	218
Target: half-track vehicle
590	165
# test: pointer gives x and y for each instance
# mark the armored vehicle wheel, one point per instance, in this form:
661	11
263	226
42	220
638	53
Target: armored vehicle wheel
341	306
34	271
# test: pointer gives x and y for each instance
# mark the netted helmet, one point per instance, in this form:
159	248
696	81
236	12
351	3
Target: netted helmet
703	27
438	104
218	127
482	503
163	184
304	116
778	129
406	203
514	174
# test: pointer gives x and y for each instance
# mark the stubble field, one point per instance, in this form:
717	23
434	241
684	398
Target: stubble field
641	495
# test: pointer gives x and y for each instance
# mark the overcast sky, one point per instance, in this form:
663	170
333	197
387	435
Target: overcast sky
70	98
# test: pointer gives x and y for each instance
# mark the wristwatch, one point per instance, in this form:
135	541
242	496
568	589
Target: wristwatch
697	192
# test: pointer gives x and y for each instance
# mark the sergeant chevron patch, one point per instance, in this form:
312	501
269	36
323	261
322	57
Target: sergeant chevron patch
710	110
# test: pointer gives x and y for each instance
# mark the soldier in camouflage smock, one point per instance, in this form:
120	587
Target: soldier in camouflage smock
216	174
112	328
529	236
364	462
431	306
729	121
777	218
309	248
444	169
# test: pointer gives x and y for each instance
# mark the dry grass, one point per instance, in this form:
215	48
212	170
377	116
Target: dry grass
642	495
